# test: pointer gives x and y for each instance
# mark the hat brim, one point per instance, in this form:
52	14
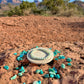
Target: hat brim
48	59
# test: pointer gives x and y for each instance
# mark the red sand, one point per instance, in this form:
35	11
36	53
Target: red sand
26	32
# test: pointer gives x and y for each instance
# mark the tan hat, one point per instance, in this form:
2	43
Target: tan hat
40	55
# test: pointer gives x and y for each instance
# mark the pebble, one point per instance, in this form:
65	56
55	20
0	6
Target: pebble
41	71
63	66
24	83
57	51
19	59
55	69
51	75
19	74
15	53
21	55
36	46
61	57
22	69
56	58
46	75
57	76
24	52
69	64
68	59
39	82
14	77
6	67
37	71
17	68
51	70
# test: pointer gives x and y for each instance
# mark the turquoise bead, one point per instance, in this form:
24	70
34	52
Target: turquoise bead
68	59
21	55
14	77
57	51
55	69
51	76
6	67
19	74
52	73
61	57
41	71
36	46
39	82
37	71
17	68
22	69
57	76
24	52
51	70
56	58
63	66
46	75
19	58
69	64
15	53
24	83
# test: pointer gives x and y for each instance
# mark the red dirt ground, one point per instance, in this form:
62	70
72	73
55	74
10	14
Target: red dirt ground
25	32
15	31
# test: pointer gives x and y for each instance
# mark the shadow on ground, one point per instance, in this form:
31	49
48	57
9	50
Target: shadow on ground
77	26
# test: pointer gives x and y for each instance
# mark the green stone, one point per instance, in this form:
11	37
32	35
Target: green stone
57	51
37	71
22	69
51	70
36	46
19	74
19	59
51	76
17	68
46	75
6	67
63	66
68	59
24	83
57	76
15	53
14	77
52	73
69	64
41	71
39	82
56	58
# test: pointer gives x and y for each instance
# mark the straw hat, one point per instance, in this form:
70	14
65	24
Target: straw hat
40	55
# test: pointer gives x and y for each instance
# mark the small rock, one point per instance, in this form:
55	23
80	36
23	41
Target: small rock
51	75
14	77
15	53
68	59
57	76
63	66
46	75
41	71
6	67
37	71
69	64
19	74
